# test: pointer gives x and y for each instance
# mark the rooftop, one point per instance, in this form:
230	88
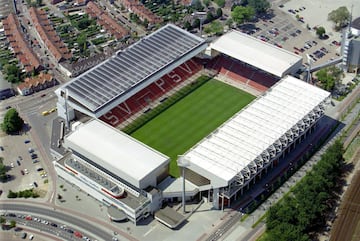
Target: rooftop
244	137
255	52
129	68
42	78
114	150
22	51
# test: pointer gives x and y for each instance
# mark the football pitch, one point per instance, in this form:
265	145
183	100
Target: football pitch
185	123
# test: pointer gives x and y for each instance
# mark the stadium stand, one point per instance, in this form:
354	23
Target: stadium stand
131	70
151	93
242	72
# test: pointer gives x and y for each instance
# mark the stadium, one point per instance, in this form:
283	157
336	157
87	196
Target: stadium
225	133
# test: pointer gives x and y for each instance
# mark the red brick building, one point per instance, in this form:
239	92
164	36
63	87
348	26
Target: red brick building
140	10
106	21
35	84
22	51
48	35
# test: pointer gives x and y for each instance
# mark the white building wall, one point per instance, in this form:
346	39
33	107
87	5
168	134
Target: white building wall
61	110
93	189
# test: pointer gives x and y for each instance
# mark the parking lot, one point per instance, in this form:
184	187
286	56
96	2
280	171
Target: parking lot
24	164
283	30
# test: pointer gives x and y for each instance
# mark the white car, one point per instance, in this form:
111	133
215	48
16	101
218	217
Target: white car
26	171
12	165
31	237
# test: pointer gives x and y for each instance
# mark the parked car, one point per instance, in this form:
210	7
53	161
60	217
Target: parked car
35	161
34	156
27	141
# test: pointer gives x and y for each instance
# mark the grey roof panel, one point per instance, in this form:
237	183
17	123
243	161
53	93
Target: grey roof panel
115	76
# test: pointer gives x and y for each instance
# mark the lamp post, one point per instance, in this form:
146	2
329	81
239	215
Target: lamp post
183	162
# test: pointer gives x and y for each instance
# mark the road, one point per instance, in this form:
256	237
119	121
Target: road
71	221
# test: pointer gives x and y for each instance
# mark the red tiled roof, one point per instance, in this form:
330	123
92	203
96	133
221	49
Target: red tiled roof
49	35
42	78
139	9
26	57
106	21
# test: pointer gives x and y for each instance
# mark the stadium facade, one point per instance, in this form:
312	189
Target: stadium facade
124	173
113	168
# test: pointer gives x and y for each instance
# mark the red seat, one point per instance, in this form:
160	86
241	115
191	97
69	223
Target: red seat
154	91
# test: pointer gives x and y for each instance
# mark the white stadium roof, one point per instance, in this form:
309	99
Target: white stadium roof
240	140
115	151
256	52
99	89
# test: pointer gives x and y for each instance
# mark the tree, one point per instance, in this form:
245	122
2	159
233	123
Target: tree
329	77
241	14
83	23
220	3
81	40
12	224
12	73
260	6
306	207
187	25
196	23
198	6
209	17
320	31
12	121
214	27
3	170
219	13
229	22
340	17
206	2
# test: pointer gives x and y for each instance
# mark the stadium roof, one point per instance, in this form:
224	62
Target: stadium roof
256	52
240	140
131	67
115	151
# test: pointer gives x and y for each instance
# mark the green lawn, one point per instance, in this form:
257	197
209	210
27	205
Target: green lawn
180	127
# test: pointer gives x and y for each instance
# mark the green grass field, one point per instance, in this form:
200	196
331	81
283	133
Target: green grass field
180	127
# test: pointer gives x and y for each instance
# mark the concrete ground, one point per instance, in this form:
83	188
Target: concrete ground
317	11
14	147
11	235
202	221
